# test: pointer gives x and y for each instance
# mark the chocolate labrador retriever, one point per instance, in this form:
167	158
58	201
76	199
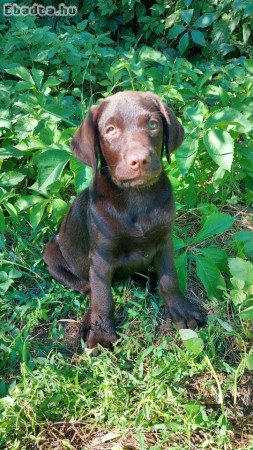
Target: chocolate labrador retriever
122	223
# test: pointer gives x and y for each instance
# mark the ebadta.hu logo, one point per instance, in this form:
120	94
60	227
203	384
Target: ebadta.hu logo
36	9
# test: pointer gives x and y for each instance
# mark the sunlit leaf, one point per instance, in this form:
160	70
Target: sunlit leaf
186	154
220	146
216	223
51	165
210	276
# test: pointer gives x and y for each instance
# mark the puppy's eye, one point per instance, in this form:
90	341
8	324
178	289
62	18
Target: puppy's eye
153	124
110	130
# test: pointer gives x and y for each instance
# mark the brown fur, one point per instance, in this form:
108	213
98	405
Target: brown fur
122	223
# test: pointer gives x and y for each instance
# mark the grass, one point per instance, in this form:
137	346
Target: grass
155	391
150	393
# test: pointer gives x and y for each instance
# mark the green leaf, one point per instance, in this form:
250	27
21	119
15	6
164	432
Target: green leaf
47	132
204	78
51	81
249	361
187	15
51	165
21	72
228	116
183	43
149	54
5	282
205	20
237	297
210	276
26	201
82	25
243	236
23	86
171	19
11	152
186	154
216	255
14	273
61	109
237	284
248	249
12	211
82	174
225	325
37	76
216	223
196	113
181	266
178	243
36	213
247	314
220	146
195	345
241	269
195	413
11	178
198	38
191	341
59	208
175	31
4	123
248	64
186	333
2	221
217	177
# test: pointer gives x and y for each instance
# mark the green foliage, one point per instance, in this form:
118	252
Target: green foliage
52	70
242	287
209	260
191	341
184	26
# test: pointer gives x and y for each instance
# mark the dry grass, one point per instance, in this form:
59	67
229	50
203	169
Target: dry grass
77	435
81	436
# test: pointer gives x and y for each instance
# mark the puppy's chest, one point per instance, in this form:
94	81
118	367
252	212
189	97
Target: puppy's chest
142	232
146	225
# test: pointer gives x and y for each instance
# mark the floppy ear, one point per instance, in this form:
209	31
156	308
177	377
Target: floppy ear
84	142
173	130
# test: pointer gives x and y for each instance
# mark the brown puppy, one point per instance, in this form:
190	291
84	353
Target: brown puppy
123	222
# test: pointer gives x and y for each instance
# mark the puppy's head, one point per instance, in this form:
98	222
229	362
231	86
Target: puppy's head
128	131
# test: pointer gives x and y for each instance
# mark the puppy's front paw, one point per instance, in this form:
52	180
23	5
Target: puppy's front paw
185	314
96	330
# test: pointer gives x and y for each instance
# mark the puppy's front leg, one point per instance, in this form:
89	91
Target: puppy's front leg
183	313
98	323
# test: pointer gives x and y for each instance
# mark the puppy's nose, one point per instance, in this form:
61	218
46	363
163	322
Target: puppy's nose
137	161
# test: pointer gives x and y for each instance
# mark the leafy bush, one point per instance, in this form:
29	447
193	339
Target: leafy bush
40	112
188	26
182	27
50	75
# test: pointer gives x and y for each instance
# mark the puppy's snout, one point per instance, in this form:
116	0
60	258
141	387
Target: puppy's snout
137	160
